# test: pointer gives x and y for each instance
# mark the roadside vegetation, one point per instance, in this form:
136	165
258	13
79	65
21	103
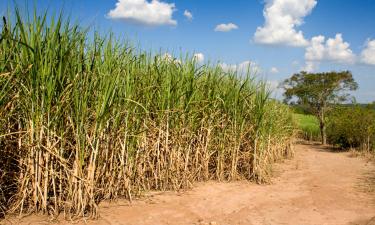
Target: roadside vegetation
318	92
84	119
308	127
317	101
352	127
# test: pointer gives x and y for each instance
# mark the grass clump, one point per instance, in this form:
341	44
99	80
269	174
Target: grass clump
86	119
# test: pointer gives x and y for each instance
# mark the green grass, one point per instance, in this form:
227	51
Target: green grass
308	126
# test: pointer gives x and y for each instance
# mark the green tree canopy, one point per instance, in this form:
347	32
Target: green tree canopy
317	91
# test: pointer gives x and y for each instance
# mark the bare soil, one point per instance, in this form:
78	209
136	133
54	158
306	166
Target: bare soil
319	186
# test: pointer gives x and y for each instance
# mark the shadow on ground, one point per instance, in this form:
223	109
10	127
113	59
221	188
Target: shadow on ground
322	148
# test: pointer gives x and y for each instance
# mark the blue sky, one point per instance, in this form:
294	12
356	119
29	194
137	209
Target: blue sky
280	37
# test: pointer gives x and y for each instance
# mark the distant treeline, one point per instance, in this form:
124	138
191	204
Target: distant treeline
301	109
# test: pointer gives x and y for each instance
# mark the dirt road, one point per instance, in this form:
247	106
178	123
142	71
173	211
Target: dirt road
317	187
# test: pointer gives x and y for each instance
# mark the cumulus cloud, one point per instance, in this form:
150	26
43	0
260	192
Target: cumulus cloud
316	50
368	54
282	17
338	50
154	13
188	15
310	66
199	57
242	68
226	27
333	50
273	84
274	70
169	58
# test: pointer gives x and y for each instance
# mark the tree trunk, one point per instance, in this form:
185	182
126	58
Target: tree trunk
322	126
323	132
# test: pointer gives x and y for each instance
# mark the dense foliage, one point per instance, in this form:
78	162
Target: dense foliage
352	127
84	119
318	91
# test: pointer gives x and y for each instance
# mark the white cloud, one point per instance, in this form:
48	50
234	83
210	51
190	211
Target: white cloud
228	67
368	54
154	13
338	50
274	70
199	57
282	17
169	58
333	50
188	15
310	66
316	50
295	64
273	84
226	27
241	68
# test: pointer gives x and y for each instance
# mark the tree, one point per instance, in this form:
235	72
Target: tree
318	92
